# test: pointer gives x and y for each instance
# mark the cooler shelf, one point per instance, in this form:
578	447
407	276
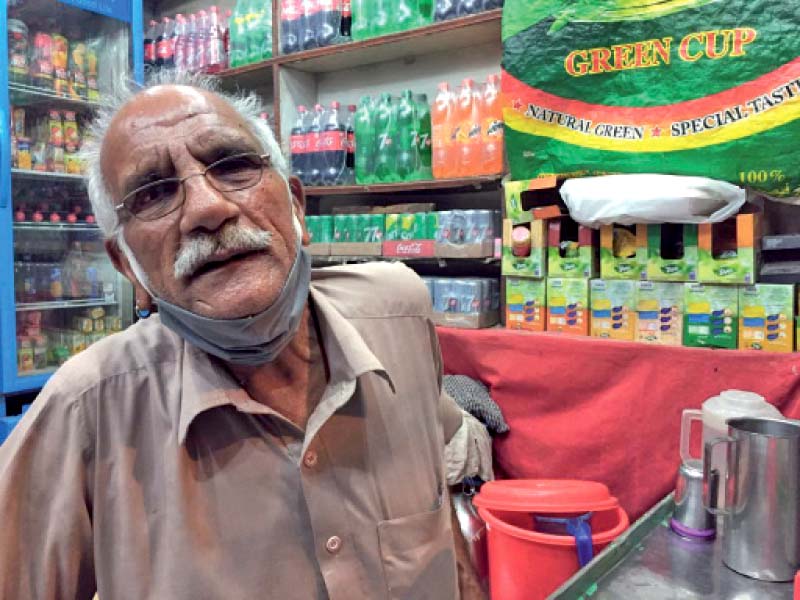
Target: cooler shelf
21	94
45	175
484	182
88	303
46	226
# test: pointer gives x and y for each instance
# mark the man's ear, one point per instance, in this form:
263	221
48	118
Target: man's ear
121	264
299	203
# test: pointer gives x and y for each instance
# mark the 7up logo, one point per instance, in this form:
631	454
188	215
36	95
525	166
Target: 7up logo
424	140
725	271
670	269
623	268
386	140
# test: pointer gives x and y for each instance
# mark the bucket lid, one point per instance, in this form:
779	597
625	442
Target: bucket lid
546	495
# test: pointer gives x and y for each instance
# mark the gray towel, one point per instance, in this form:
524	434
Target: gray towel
473	397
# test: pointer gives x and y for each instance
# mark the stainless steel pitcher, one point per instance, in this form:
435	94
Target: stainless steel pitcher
761	508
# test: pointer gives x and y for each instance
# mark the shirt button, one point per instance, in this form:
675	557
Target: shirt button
334	544
310	459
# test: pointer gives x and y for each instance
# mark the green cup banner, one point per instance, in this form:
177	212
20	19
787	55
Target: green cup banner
685	87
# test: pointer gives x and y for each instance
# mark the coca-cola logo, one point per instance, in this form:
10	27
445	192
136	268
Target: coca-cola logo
290	9
410	248
298	144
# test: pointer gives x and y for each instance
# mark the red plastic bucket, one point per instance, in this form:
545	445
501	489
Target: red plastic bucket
525	564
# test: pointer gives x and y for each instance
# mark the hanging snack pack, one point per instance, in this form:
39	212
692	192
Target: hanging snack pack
684	87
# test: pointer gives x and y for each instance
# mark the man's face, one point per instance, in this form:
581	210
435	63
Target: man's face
173	131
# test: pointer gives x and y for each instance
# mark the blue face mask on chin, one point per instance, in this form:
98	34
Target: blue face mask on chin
253	340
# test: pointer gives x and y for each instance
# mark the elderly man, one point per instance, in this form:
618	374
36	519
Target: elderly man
272	433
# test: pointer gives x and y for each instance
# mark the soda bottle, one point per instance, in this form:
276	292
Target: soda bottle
467	129
365	141
191	44
180	42
346	28
298	144
405	15
226	38
442	117
256	34
315	161
163	43
362	19
381	22
425	8
291	14
492	159
407	148
385	125
468	7
215	44
445	9
150	48
309	24
424	135
238	35
334	149
330	21
201	42
350	144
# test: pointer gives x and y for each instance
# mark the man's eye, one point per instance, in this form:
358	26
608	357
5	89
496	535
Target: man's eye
152	195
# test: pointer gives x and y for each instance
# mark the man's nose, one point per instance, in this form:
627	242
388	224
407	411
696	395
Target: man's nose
205	208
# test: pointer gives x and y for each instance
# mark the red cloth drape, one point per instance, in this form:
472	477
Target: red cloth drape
605	410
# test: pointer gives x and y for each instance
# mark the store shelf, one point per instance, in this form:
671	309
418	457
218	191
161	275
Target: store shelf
441	37
66	227
28	95
89	303
39	372
433	260
489	182
248	77
45	175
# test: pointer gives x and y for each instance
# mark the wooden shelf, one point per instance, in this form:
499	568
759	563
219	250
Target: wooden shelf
439	37
488	182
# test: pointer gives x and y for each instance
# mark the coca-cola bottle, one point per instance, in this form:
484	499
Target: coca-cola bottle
298	144
215	45
309	24
346	29
165	45
201	42
329	21
334	148
315	162
150	47
291	14
226	38
180	42
350	145
191	44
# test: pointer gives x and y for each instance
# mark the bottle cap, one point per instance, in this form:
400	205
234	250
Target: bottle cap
301	108
166	20
202	13
352	107
335	105
213	8
468	82
319	107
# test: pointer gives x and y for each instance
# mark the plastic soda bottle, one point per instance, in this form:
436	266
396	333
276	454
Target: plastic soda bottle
191	43
315	161
309	24
334	147
468	7
365	137
298	144
441	133
346	29
330	21
407	148
425	9
350	163
362	19
468	129
405	15
385	158
445	9
238	35
493	132
291	13
180	42
150	47
201	42
380	20
424	135
215	44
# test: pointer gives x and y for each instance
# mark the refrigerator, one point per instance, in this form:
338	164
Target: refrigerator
59	292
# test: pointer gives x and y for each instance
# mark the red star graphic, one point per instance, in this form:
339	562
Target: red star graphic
656	132
518	104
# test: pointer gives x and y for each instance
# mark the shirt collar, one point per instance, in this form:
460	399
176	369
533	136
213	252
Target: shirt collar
206	384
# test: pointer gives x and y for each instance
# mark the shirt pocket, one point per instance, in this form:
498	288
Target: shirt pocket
418	556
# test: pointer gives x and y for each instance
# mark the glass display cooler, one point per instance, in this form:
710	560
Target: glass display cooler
59	292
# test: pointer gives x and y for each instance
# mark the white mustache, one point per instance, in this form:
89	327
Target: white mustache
200	248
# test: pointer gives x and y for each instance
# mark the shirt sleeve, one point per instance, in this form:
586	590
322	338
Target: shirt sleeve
449	412
45	512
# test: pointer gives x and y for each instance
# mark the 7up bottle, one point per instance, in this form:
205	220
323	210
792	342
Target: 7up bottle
385	125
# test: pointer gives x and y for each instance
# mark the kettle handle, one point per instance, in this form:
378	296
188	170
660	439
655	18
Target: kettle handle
688	417
712	477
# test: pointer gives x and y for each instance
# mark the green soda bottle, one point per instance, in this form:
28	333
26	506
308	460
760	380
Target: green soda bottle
407	148
405	15
424	136
238	35
386	128
362	17
425	12
364	132
254	30
381	20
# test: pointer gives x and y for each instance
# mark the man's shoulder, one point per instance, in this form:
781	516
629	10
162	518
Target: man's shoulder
373	290
144	345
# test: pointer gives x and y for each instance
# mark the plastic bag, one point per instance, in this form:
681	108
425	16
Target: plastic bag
630	199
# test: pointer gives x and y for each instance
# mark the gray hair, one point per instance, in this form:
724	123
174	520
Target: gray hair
248	105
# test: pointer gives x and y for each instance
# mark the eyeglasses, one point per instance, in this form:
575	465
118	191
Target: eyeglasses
160	198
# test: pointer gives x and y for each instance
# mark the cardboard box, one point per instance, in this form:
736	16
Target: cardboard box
526	306
711	315
483	249
571	249
659	313
319	249
729	252
671	252
567	305
526	256
613	303
480	320
533	199
766	318
356	249
623	252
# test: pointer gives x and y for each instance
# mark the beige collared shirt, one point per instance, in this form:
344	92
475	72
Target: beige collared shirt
144	471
